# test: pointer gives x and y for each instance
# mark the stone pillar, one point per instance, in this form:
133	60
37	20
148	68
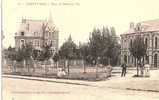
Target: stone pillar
127	58
150	45
150	60
150	51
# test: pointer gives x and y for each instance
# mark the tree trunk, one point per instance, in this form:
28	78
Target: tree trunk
13	66
68	67
57	64
45	68
35	64
96	71
84	67
137	70
27	66
108	61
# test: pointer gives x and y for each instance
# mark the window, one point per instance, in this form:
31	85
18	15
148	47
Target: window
35	43
125	45
46	34
49	34
22	33
34	34
38	43
52	42
38	34
138	28
131	42
147	59
27	27
146	42
155	42
52	35
22	42
125	58
155	60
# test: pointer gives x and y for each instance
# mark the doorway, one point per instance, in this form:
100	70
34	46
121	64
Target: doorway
155	60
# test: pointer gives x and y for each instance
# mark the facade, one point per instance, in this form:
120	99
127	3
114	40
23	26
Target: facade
149	30
38	33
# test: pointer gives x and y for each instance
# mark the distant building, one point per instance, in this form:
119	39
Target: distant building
149	30
38	33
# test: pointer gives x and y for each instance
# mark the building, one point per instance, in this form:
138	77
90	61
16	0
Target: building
38	33
149	30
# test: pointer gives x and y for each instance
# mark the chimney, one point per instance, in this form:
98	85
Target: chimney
23	20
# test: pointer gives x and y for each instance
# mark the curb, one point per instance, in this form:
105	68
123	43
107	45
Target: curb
142	90
44	80
76	83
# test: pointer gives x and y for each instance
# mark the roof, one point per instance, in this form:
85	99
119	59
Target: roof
31	26
146	26
151	25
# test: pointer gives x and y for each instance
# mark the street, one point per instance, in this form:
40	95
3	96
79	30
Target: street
24	89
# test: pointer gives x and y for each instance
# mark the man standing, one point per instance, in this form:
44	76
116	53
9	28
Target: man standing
124	66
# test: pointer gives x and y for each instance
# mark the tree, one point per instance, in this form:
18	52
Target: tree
83	54
95	44
56	58
11	55
138	49
114	47
22	54
68	51
112	31
35	56
25	54
103	44
45	55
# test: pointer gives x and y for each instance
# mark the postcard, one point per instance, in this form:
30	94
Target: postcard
80	49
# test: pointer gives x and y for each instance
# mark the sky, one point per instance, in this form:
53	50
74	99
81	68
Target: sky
78	17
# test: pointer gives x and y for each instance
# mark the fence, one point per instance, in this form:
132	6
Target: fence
47	69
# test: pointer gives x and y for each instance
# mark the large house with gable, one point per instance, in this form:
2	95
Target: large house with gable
38	33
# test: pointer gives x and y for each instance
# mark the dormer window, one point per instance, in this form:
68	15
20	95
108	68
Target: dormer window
138	27
22	33
131	25
22	42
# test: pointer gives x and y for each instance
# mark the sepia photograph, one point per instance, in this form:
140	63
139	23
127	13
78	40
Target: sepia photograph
80	49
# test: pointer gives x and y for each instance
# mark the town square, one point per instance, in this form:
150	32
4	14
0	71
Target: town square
82	50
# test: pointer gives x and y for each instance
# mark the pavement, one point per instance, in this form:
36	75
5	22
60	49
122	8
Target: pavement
23	89
148	84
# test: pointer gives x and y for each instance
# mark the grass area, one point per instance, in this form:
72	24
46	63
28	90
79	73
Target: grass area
76	73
